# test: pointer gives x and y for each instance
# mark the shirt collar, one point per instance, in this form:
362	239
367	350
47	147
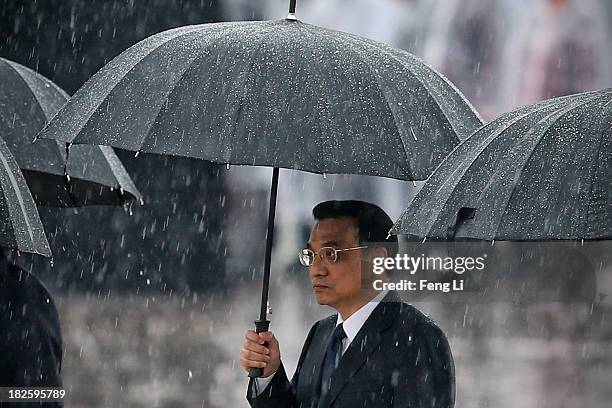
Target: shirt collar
353	324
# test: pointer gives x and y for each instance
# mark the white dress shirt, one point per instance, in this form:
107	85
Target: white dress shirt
351	327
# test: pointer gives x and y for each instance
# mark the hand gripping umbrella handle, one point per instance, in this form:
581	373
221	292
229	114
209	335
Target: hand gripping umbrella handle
260	327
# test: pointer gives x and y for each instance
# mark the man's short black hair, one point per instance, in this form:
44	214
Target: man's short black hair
373	223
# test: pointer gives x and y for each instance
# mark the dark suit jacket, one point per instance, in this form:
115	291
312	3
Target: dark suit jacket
30	336
399	359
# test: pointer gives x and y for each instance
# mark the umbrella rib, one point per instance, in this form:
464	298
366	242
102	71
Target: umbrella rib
444	79
16	68
39	89
119	172
395	121
594	171
409	173
83	123
188	67
243	97
496	133
28	87
558	115
17	190
423	84
57	144
161	101
312	157
480	147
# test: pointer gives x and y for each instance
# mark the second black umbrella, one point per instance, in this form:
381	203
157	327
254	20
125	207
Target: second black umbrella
95	175
542	172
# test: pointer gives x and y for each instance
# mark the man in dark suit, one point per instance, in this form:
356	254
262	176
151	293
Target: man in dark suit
377	351
30	335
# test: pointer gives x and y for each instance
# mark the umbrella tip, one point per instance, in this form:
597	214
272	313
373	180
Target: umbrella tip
291	16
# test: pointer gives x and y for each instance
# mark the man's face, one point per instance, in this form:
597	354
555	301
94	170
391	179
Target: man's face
337	283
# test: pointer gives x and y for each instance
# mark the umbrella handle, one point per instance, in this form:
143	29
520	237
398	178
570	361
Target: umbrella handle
260	327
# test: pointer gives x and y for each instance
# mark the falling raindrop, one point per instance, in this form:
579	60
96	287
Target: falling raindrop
413	135
137	153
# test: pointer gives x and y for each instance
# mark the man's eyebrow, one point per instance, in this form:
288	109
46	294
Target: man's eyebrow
325	244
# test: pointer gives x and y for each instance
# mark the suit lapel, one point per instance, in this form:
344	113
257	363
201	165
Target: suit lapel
362	346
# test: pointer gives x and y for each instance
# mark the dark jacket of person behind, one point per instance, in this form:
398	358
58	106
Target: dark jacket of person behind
30	335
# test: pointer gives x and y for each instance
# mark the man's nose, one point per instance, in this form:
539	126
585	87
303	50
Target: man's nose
318	267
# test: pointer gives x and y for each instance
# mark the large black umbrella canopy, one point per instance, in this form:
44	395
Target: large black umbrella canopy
20	225
273	93
95	175
542	172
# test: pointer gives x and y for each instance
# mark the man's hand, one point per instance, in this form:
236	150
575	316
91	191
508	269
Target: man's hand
254	354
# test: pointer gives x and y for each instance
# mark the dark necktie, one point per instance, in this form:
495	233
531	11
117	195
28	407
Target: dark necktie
332	357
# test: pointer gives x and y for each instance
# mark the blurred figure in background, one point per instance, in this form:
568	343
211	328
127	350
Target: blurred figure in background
555	52
463	42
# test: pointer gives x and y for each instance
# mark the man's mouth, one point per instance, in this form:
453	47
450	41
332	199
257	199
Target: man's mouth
319	286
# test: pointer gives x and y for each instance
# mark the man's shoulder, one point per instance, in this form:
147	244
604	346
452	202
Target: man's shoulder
18	285
326	322
409	313
415	322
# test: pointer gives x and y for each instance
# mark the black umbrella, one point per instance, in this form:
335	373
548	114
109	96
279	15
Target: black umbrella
95	175
20	225
273	93
542	172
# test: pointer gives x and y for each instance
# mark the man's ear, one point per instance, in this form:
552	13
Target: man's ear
378	252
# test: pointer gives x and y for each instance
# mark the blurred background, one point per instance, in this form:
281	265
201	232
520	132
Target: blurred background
154	303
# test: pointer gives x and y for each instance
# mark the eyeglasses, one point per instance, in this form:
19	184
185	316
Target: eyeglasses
329	254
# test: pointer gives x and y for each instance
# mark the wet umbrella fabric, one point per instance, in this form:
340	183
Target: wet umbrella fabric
274	93
20	225
97	177
542	172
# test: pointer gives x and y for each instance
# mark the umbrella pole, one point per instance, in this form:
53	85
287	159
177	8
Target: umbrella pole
263	324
